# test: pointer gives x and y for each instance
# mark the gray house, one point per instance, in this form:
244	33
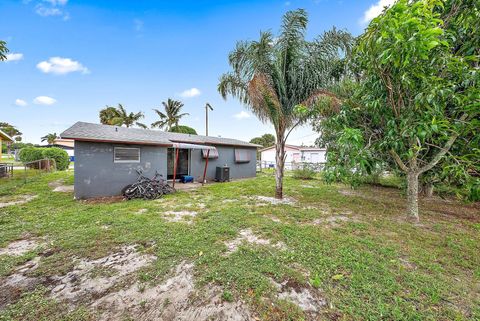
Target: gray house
107	157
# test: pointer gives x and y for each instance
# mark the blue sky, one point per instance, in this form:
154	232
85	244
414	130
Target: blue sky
70	58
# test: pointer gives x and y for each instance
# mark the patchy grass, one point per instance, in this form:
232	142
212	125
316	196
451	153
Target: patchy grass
375	266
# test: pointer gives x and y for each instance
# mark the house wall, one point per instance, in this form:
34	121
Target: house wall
226	156
97	175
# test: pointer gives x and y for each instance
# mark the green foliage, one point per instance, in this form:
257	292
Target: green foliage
62	160
417	97
305	172
3	50
266	140
227	296
30	154
183	129
50	138
119	116
171	116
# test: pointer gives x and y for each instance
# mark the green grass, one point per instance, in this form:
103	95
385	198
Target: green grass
376	267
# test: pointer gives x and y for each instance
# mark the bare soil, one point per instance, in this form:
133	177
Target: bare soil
20	247
249	237
180	216
18	200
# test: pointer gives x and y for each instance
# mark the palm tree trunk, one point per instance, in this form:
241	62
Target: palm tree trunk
280	164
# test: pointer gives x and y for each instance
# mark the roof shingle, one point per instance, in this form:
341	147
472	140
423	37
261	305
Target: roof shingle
106	133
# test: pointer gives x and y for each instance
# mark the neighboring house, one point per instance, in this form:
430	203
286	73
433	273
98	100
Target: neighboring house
4	138
106	157
294	154
65	144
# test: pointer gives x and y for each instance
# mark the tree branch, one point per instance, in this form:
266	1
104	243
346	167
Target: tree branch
443	150
398	160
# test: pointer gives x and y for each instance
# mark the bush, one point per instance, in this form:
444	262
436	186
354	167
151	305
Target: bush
306	172
30	154
62	160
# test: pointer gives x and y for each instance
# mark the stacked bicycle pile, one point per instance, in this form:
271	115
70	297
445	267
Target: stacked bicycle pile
147	188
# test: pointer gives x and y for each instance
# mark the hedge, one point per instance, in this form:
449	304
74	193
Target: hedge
30	154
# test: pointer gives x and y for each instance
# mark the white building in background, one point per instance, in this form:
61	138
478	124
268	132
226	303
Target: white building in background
294	154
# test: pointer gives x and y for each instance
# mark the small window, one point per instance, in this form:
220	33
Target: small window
213	153
126	155
242	155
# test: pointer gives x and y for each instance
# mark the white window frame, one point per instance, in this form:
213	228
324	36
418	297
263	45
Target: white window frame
126	161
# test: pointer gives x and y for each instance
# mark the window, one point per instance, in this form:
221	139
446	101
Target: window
126	155
242	155
213	153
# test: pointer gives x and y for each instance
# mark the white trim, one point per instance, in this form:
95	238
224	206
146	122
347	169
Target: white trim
126	161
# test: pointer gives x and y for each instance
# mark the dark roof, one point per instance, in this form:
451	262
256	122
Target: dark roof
106	133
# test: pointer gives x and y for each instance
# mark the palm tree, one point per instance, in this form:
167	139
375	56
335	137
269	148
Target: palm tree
50	138
274	77
119	116
109	115
171	116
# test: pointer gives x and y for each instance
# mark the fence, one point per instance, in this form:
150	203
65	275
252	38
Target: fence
6	169
261	165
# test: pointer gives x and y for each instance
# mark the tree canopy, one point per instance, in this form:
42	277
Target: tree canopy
183	129
171	115
416	102
266	140
120	117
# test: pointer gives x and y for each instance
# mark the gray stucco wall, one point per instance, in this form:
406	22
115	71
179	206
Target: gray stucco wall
226	155
97	175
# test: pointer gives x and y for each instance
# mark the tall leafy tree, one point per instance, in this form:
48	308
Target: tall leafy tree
417	103
275	75
11	131
50	138
120	117
171	115
183	129
266	140
3	50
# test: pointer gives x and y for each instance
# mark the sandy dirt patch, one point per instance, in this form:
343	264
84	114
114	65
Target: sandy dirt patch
274	218
247	236
175	299
228	200
307	298
334	220
141	211
180	216
91	278
20	199
59	186
275	201
20	247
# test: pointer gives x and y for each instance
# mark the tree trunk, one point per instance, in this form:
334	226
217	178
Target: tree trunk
280	164
427	190
412	195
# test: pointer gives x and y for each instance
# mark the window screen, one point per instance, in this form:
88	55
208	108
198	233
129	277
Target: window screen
213	153
242	155
126	155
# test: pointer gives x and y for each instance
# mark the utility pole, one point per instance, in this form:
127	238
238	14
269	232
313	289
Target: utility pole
207	107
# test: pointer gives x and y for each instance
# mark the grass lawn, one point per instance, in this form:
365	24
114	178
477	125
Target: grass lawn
353	249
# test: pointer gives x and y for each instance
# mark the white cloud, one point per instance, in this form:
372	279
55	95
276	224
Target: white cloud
376	10
61	66
242	115
189	93
47	8
138	25
20	102
14	57
44	100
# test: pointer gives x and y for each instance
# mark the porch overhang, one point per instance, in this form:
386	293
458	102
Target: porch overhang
192	146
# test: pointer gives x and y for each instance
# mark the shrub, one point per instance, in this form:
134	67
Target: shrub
305	172
62	160
30	154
